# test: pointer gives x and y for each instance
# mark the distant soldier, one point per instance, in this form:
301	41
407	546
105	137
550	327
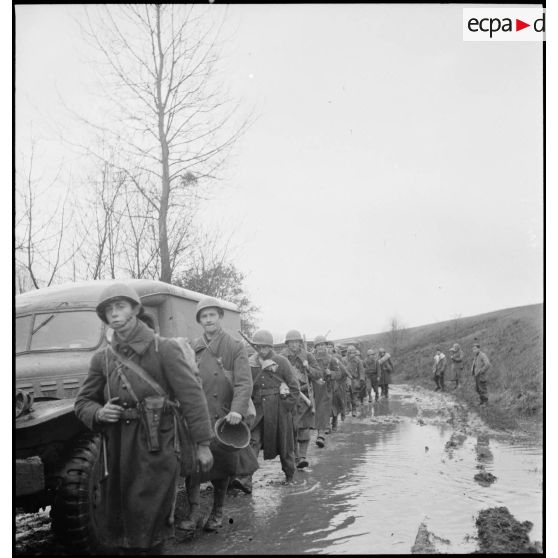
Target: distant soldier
371	374
306	368
440	365
457	364
385	370
275	394
479	369
338	400
323	392
355	369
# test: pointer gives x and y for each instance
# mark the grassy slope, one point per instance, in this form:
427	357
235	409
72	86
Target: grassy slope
511	338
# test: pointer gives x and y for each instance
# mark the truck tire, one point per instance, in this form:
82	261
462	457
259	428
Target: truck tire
75	512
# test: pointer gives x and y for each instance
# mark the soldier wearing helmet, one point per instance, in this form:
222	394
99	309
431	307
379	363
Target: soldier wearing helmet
339	396
385	370
275	394
306	368
227	382
323	392
355	369
111	400
371	373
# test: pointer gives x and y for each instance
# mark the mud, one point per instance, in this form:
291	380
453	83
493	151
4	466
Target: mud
500	532
400	463
484	478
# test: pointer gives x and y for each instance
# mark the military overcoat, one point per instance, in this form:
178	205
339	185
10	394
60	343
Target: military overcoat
227	382
303	415
273	410
137	495
323	390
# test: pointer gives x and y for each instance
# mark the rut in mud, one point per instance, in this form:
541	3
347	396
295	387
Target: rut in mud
400	463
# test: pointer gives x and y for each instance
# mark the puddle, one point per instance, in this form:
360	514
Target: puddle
377	480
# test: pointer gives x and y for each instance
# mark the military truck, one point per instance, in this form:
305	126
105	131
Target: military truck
57	457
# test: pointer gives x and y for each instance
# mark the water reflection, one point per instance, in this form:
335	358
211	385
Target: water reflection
379	477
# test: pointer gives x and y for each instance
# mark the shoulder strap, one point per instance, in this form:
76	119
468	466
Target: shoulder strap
131	365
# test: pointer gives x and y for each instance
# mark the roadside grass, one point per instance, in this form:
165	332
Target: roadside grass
511	338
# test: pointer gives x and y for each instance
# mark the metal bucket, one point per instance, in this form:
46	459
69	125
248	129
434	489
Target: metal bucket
231	437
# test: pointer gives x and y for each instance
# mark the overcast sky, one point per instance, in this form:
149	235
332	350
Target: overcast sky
393	169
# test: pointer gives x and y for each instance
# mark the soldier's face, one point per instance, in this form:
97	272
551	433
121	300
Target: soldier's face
294	345
476	350
210	320
121	314
264	350
321	349
330	349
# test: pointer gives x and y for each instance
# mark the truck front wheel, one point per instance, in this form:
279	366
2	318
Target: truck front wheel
76	513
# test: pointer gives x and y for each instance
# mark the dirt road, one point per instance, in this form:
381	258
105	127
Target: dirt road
417	459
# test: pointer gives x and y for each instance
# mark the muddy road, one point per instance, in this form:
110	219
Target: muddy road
417	458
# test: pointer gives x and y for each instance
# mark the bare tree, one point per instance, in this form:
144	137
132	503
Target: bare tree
39	233
211	272
169	119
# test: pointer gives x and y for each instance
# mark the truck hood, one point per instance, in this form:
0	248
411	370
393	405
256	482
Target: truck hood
52	374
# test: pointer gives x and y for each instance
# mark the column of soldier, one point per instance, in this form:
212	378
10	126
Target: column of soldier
203	384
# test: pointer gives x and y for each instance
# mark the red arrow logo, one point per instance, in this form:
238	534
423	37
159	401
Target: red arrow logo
519	25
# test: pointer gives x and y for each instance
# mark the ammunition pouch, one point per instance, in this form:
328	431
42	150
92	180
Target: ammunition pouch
151	412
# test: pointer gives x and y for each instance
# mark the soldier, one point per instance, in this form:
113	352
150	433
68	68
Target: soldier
227	382
338	400
479	369
457	365
385	370
323	389
305	367
356	375
371	373
440	364
137	377
276	391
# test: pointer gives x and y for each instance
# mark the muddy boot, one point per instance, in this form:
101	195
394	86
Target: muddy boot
320	441
242	483
301	462
188	526
289	479
215	520
334	423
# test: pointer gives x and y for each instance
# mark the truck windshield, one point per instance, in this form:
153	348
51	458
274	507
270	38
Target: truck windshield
58	331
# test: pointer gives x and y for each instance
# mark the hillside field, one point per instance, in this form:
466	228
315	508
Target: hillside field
511	338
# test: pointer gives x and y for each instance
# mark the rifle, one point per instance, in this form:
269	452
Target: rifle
255	347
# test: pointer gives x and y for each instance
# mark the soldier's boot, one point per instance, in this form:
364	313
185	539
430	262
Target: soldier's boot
215	519
242	483
334	421
194	521
301	461
320	440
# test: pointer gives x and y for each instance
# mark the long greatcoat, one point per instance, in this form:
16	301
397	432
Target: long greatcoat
274	411
323	391
303	416
138	494
371	370
385	369
227	382
339	396
356	373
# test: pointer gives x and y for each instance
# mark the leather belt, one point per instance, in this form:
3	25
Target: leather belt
130	414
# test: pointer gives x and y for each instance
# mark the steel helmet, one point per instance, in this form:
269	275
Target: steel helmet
330	343
351	349
320	340
113	291
208	302
293	335
370	352
262	337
